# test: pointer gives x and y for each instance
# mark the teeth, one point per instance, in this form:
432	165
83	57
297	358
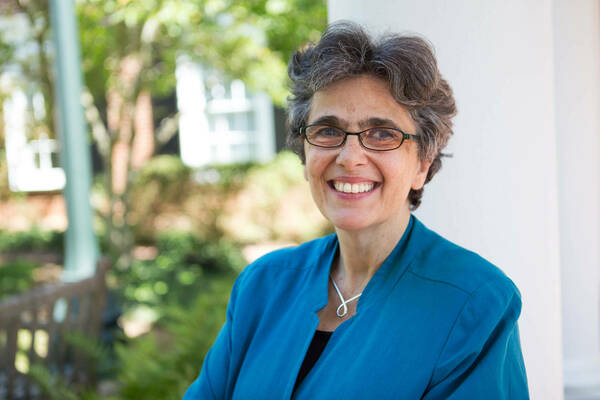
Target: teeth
353	187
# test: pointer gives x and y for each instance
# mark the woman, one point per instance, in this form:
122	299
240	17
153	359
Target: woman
384	308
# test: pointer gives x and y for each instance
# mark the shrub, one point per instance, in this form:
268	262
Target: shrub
33	239
247	203
162	364
16	277
99	361
274	204
166	195
158	365
184	265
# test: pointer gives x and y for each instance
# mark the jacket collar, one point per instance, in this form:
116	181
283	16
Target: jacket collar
380	285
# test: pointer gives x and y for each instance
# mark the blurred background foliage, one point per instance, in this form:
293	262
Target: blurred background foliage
163	363
250	40
178	237
249	203
129	53
190	240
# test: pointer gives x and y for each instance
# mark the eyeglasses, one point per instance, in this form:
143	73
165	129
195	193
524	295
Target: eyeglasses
378	139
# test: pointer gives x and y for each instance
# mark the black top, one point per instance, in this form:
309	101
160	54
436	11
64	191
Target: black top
315	349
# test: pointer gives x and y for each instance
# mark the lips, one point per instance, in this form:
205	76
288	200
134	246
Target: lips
348	187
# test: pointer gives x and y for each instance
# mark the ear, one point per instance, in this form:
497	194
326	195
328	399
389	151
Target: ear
421	175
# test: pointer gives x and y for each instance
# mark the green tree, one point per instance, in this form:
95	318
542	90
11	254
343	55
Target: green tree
129	51
27	57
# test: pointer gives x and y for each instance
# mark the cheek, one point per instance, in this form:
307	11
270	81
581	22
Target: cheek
314	174
311	173
313	165
401	176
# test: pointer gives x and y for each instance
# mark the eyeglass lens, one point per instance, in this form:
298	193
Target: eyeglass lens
374	138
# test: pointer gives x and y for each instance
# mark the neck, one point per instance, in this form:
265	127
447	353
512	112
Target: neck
362	252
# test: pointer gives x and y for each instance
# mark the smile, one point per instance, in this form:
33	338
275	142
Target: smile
346	187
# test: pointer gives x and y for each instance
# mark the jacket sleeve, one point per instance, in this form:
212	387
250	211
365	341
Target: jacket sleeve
212	383
482	356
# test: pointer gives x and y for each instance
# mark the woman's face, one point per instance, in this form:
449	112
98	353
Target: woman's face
386	177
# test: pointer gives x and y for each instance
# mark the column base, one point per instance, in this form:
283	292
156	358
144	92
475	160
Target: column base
582	379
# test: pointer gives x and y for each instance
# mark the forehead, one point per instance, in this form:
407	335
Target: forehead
355	100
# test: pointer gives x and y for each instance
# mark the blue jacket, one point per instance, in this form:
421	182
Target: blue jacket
435	322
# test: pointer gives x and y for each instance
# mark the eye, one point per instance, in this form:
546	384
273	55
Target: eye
328	131
324	135
383	134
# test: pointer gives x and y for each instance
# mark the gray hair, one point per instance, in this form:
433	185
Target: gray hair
407	63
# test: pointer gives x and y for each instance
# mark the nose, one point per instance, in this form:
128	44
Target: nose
352	153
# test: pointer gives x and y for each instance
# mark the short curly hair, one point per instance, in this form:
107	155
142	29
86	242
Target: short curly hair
406	63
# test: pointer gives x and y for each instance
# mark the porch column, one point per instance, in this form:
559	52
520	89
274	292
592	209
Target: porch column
577	73
81	249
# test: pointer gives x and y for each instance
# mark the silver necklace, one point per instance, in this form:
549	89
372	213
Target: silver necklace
343	307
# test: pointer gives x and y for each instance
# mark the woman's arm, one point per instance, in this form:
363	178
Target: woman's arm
482	355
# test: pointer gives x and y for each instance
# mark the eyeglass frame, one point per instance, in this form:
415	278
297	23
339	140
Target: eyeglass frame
405	136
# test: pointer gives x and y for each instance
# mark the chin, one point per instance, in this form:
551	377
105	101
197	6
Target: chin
350	224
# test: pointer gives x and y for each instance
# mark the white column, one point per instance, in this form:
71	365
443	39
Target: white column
498	195
577	71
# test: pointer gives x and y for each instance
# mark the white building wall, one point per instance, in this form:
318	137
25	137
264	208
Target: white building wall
516	69
30	164
219	121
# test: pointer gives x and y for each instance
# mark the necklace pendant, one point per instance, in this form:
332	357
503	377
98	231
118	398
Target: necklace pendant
344	310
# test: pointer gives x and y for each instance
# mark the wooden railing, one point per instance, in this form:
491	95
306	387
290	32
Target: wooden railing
33	327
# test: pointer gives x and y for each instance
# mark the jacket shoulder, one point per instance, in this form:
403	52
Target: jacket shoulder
288	261
446	262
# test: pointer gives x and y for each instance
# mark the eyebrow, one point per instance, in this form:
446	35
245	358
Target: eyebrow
375	121
330	120
363	124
